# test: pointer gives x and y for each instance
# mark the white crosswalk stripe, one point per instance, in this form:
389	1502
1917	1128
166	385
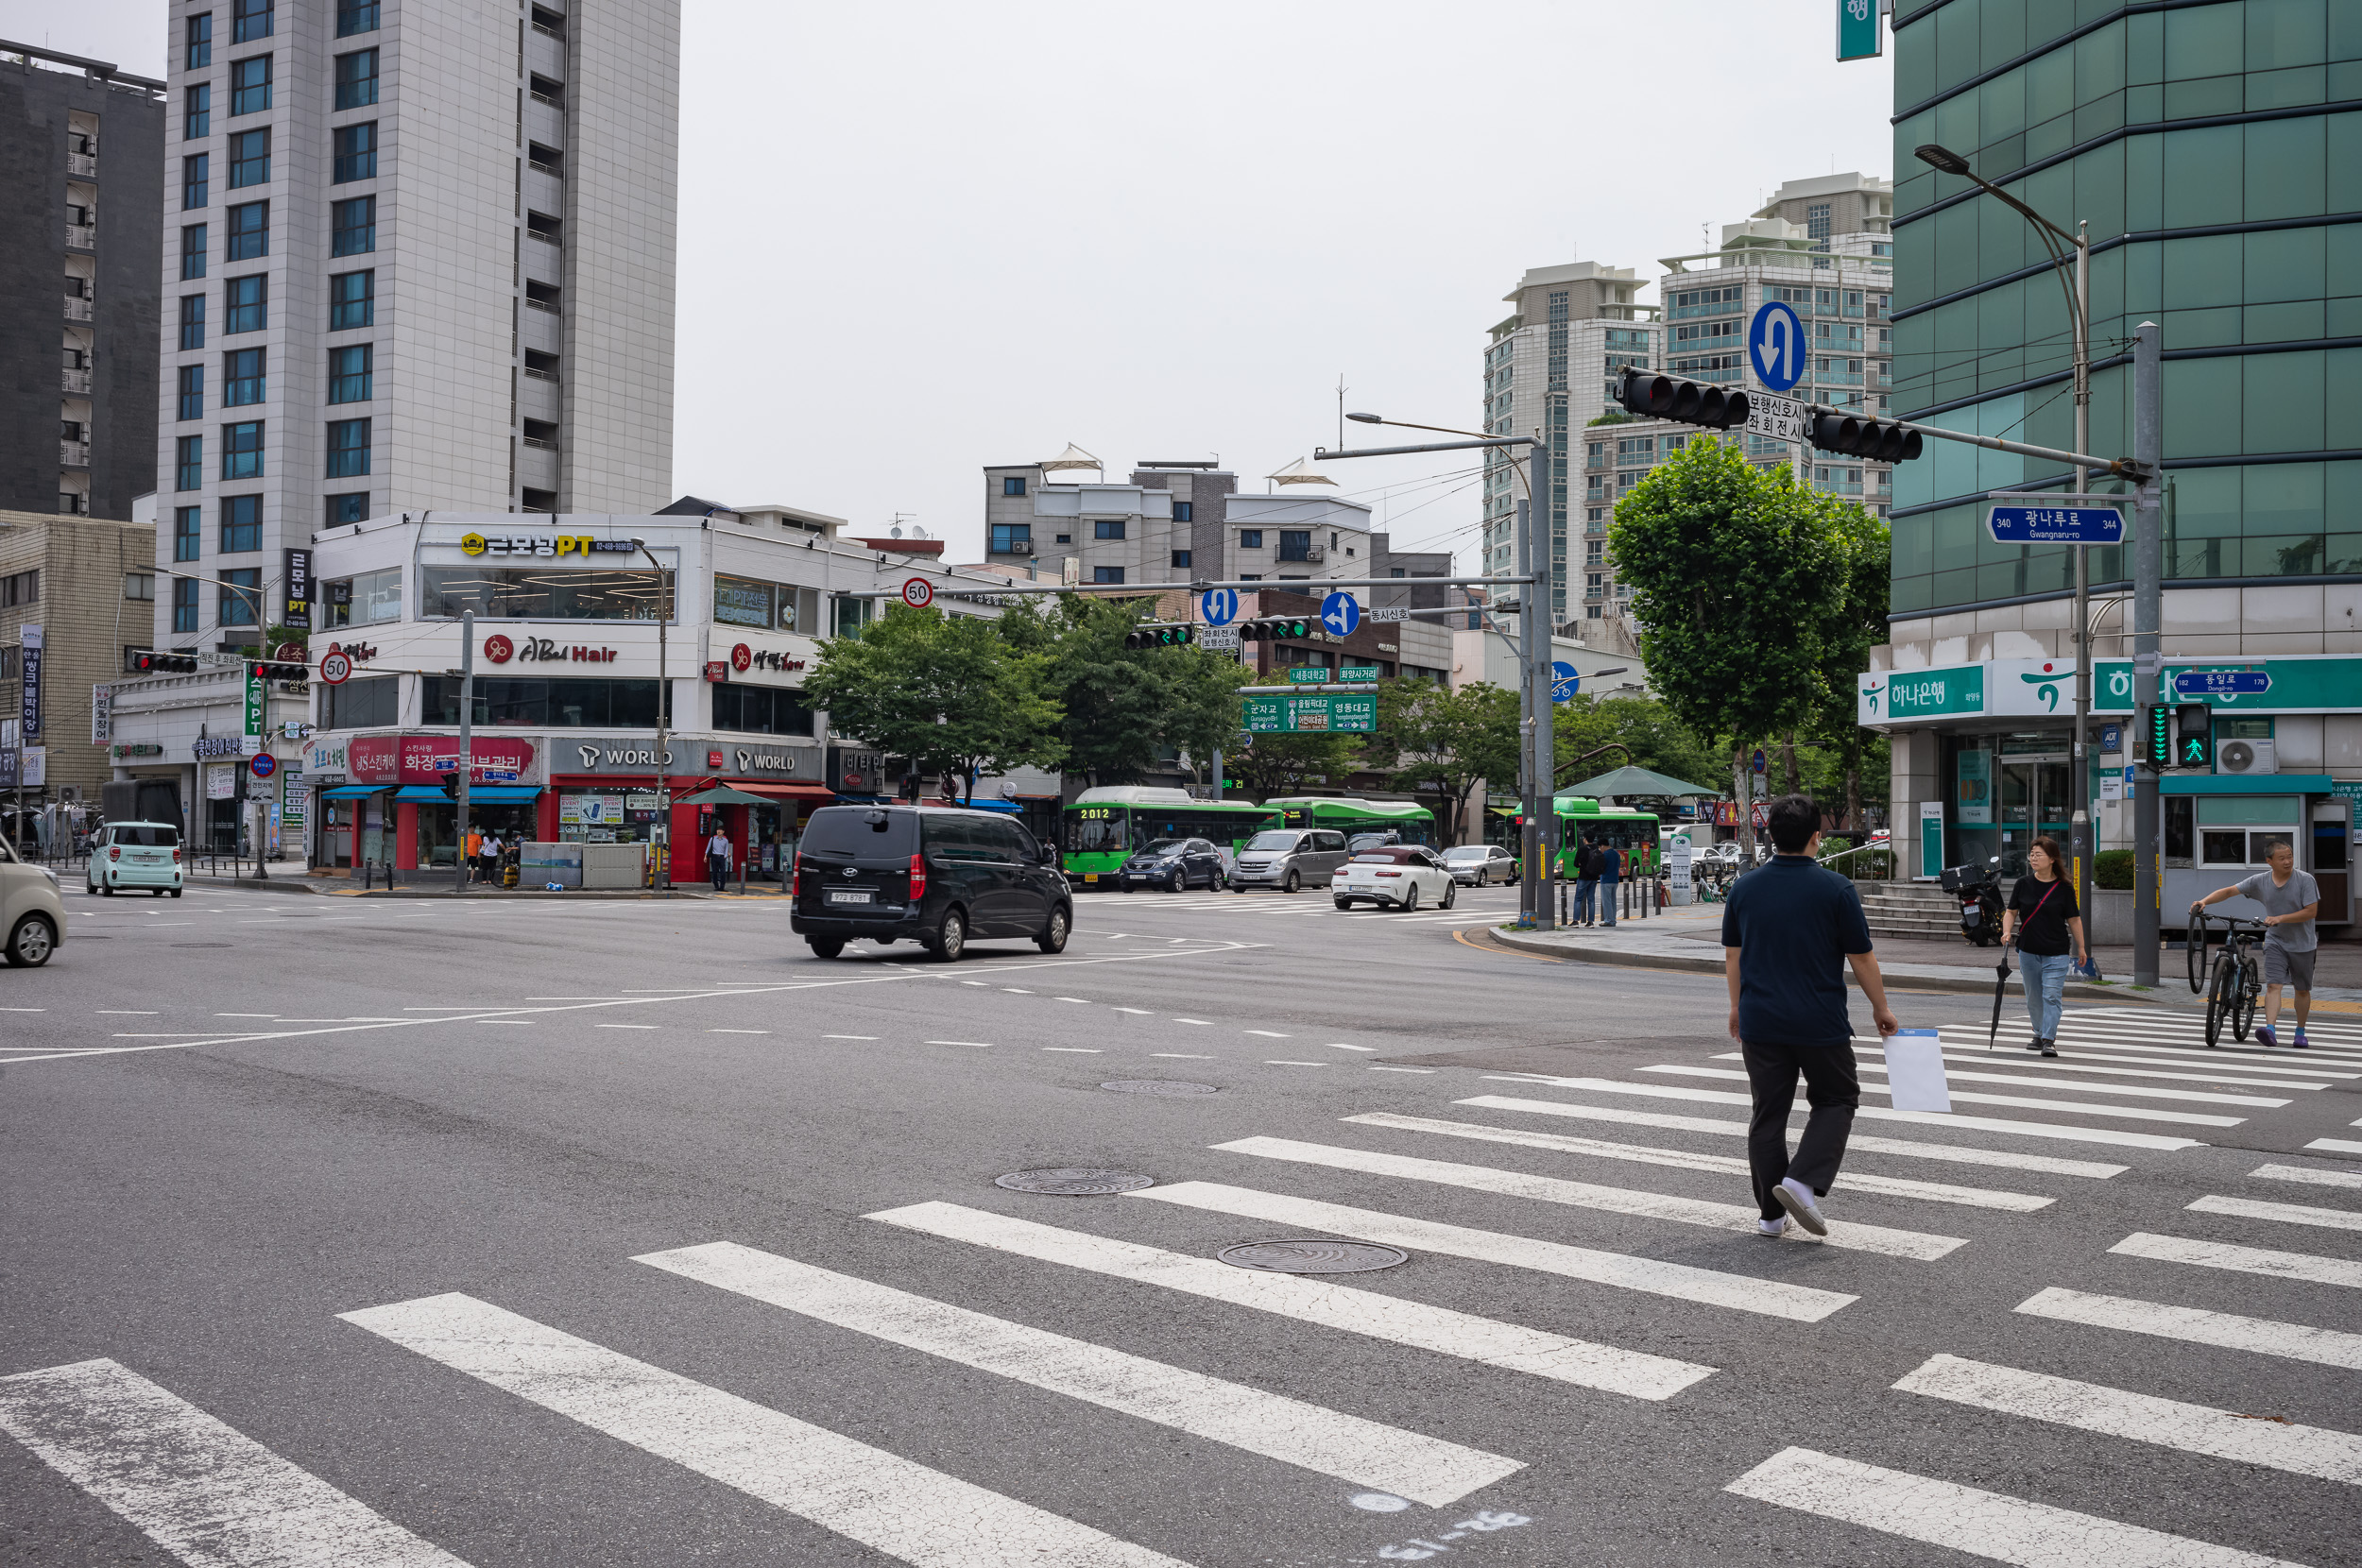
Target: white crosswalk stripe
2064	1070
2286	1213
1367	1453
2244	1260
2337	1145
204	1492
2026	1103
1550	1189
2307	1175
1406	1322
2138	1091
1990	1525
2194	1325
903	1509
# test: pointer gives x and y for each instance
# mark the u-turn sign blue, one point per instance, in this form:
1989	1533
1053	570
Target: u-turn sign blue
1219	606
1776	347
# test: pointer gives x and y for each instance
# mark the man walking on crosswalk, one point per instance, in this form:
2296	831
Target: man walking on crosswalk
1785	929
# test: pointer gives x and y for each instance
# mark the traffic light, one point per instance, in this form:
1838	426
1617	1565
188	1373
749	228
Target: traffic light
268	669
1687	402
2158	752
1854	437
1177	633
1272	628
2194	747
451	785
149	662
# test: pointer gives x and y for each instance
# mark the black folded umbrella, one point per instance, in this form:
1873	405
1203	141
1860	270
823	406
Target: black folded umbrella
2000	984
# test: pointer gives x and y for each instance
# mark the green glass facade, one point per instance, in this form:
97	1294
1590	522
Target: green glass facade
2215	149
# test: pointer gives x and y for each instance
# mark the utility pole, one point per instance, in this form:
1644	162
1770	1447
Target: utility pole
661	877
1544	771
1528	873
2148	580
2082	843
467	745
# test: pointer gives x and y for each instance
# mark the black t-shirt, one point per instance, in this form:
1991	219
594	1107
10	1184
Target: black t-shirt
2045	935
1793	923
1587	863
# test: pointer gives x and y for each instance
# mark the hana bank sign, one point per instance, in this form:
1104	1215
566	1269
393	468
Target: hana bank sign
2005	689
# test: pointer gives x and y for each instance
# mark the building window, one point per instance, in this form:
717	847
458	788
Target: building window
140	585
371	701
196	181
1250	538
188	532
348	374
351	300
1185	511
1012	538
242	450
1296	544
355	16
356	153
349	509
249	158
241	377
1180	557
241	524
200	41
241	596
249	20
760	710
192	322
246	304
183	605
249	85
353	226
542	227
189	462
193	251
348	448
192	391
248	237
1108	528
1107	574
196	112
1558	304
1012	486
356	78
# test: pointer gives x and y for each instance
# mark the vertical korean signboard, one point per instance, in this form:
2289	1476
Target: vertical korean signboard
254	690
296	612
1858	32
29	720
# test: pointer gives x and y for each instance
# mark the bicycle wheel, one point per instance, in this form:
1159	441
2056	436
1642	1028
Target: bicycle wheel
2244	1000
2218	998
2194	952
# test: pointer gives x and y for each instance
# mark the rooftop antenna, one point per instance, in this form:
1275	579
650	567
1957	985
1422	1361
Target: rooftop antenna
1341	411
897	530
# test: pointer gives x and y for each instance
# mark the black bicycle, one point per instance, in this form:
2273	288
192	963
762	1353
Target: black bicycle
2237	977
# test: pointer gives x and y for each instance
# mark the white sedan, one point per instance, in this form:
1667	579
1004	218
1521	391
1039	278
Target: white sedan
1397	875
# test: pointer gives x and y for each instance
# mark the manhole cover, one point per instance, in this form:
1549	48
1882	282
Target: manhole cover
1075	1181
1158	1086
1312	1256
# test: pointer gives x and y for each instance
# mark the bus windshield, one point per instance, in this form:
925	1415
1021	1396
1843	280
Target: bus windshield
1100	831
1270	843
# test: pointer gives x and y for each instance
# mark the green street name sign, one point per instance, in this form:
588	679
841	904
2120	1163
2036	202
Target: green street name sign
1309	675
1355	673
1294	715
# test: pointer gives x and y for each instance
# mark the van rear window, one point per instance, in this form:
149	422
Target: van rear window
861	830
147	835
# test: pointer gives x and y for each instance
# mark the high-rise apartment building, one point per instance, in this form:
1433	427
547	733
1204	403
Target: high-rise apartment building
418	255
80	149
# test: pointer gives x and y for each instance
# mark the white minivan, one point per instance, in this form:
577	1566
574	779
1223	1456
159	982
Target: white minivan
31	912
128	855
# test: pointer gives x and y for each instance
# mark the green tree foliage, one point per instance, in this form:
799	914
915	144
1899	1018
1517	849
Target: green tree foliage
1656	738
953	693
1428	734
1853	759
1121	707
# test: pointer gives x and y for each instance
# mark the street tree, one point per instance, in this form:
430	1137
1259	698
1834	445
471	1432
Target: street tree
1852	752
1739	584
1438	744
950	692
1121	707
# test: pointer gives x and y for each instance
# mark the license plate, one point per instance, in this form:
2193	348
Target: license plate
1090	875
849	896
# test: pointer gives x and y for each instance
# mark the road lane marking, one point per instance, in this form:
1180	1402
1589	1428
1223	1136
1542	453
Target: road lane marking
1141	1011
980	1045
1392	1319
625	1026
2244	1260
1276	1062
2314	1178
1989	1525
1339	1044
1183	1056
737	1032
1740	1292
903	1509
2289	1213
2061	1073
1350	1448
848	1038
1551	1189
1079	1051
1428	1070
2337	1145
2138	1091
1271	1034
198	1488
2130	1113
1190	1021
2193	1325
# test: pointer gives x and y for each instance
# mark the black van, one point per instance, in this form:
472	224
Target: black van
940	875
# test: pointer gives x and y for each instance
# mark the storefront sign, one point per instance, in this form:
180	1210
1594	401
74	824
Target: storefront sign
219	745
359	653
30	656
753	759
413	759
575	810
500	650
743	658
759	659
855	772
295	613
102	708
548	546
221	781
135	748
34	761
325	756
256	697
2029	688
1974	797
1885	696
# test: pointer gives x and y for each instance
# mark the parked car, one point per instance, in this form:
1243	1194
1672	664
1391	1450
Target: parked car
32	910
1479	865
1289	858
939	877
133	855
1174	864
1399	876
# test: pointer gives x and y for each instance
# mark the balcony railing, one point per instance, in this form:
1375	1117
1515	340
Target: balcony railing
548	31
550	376
83	164
534	304
539	167
550	98
78	307
74	454
536	441
75	380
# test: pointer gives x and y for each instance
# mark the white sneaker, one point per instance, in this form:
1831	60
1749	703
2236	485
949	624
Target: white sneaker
1771	1227
1797	1198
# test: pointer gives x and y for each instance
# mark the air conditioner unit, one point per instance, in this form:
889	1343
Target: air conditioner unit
69	792
2245	757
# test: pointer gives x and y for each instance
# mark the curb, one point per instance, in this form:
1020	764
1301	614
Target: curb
296	885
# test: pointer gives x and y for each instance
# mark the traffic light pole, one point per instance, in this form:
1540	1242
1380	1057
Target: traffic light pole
467	745
2148	579
1537	624
2082	843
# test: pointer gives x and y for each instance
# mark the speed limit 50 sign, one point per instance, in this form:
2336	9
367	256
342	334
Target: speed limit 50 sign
919	593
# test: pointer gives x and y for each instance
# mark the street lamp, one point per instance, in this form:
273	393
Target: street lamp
2078	287
663	713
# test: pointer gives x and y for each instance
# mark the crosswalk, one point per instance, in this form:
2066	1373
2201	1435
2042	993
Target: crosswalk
1470	907
1612	1210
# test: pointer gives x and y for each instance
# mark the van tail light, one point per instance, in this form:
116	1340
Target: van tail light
116	854
176	853
918	877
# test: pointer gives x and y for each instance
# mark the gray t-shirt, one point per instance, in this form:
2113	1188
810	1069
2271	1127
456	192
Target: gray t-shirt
2295	937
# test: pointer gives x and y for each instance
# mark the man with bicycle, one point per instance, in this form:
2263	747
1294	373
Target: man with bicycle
2290	898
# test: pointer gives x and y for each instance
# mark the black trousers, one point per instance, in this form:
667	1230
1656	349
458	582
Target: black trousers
1831	1088
719	869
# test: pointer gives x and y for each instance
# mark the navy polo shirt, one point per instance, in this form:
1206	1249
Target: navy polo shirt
1793	923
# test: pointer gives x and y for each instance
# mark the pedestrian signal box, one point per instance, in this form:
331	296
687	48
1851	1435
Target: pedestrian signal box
2157	741
2194	747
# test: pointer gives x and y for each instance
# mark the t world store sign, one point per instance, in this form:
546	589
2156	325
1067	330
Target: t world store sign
412	758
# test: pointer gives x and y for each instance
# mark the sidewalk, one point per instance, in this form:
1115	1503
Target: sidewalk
1692	940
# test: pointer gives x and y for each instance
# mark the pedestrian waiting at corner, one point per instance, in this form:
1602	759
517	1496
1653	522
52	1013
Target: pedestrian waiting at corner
1789	931
2291	900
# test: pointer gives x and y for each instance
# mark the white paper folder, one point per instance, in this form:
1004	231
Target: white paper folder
1915	1070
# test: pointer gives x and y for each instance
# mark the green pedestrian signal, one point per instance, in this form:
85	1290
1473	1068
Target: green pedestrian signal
2195	745
2158	752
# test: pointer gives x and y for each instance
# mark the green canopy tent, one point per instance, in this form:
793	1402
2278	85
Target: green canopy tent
1633	781
722	794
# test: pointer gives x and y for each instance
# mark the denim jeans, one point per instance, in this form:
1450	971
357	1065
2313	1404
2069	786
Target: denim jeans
1587	898
1607	900
2043	975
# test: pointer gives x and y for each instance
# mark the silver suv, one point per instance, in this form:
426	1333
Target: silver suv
32	912
1289	858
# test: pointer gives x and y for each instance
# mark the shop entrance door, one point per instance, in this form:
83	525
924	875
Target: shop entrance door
2033	798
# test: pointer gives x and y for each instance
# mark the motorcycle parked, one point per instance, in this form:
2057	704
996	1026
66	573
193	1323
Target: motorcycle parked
1979	889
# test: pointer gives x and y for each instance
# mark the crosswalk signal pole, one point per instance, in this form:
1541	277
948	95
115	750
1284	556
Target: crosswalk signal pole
1539	629
2148	576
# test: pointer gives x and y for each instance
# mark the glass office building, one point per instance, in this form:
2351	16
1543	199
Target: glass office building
2215	151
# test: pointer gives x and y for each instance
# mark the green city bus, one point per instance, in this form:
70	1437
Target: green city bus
1617	826
1104	827
1349	815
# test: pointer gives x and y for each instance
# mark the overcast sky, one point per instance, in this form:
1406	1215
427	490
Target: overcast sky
917	238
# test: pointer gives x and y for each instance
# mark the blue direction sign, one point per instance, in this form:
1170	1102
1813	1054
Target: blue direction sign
1775	346
1565	680
2054	524
1218	606
2222	683
1341	613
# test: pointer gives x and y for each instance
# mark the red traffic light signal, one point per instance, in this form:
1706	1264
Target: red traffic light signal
1687	402
147	662
1854	437
269	670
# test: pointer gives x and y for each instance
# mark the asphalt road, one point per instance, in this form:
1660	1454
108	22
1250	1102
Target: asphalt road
616	1232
